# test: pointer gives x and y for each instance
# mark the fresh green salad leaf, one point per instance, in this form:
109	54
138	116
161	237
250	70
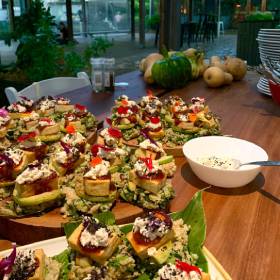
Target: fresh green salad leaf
64	259
106	218
144	277
70	227
194	216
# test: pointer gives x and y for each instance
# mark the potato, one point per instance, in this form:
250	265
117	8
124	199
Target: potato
148	78
236	67
151	59
141	65
228	79
216	61
214	77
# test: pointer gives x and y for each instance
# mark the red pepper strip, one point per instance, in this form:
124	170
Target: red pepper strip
70	129
154	120
95	161
80	107
149	92
25	137
187	267
109	121
114	132
122	110
148	162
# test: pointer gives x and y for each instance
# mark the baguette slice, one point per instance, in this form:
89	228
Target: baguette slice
99	256
3	131
27	158
27	190
98	187
40	270
64	107
150	185
142	250
49	130
156	135
60	169
46	113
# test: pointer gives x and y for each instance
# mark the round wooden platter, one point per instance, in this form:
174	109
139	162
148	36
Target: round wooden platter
49	225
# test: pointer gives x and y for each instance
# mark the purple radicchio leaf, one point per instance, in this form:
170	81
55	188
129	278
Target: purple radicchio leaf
66	147
3	113
7	263
145	133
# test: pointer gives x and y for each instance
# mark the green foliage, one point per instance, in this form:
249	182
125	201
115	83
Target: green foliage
153	22
64	259
97	47
259	16
39	55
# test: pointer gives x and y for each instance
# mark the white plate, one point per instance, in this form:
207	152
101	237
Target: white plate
55	246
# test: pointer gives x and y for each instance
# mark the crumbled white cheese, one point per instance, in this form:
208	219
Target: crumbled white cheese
4	120
182	117
15	155
148	145
153	125
171	272
16	108
31	174
142	169
33	116
26	102
46	104
98	239
63	157
62	101
142	225
74	139
111	154
193	275
98	170
108	139
48	122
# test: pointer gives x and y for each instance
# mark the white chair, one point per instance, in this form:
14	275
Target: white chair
50	87
220	27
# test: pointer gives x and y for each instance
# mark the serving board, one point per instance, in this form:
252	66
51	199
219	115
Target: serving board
55	246
49	225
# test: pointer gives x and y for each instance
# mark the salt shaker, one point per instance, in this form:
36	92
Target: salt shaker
109	74
97	74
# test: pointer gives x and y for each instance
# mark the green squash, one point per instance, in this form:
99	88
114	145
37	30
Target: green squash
172	72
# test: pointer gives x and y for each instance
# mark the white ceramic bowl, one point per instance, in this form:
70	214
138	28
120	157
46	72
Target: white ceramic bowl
222	146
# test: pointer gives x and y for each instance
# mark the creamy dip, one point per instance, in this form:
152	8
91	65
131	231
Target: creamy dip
225	163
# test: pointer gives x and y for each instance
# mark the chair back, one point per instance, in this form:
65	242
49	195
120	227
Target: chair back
50	87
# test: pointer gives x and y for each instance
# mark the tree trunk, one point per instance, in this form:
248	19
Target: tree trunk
84	18
132	19
263	5
69	18
170	24
11	15
142	13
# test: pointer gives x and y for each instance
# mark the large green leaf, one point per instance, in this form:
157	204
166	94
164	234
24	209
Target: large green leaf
64	259
194	216
106	218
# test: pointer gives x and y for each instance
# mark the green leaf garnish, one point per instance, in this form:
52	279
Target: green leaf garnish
64	259
194	216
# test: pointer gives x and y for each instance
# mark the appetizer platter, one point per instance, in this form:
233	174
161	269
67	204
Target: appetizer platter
155	246
54	162
172	122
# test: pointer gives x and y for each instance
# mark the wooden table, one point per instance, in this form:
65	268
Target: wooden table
243	224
